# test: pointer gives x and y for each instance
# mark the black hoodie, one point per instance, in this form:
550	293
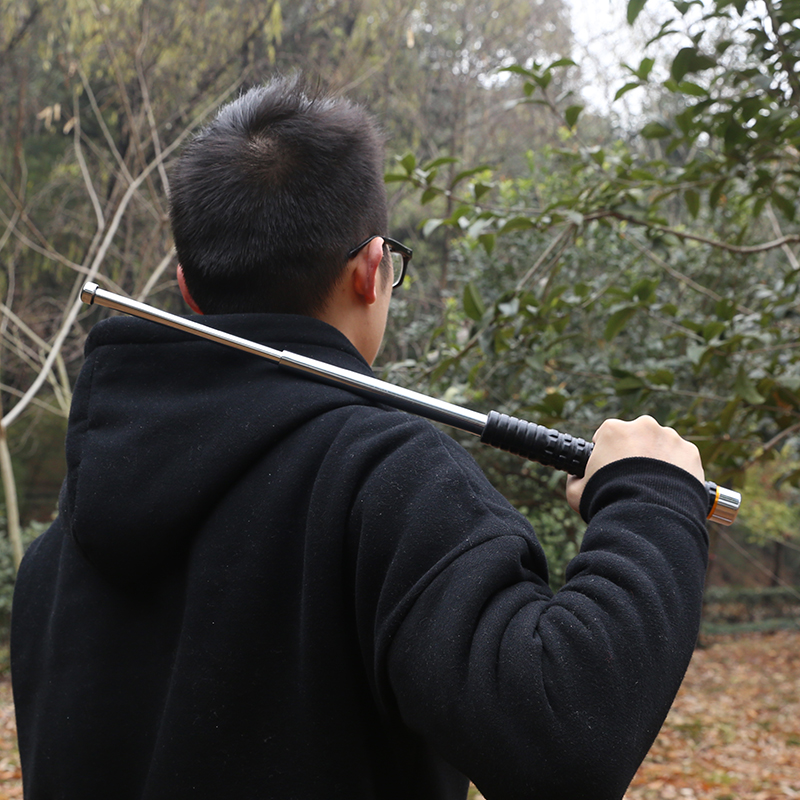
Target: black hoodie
259	586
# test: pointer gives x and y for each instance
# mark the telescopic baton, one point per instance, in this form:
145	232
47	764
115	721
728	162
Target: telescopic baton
527	439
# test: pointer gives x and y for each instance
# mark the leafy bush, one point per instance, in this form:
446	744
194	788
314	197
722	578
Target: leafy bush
7	572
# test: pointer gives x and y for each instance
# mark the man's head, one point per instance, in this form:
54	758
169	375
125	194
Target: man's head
269	199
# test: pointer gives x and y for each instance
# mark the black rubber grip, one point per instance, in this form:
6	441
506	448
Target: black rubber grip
537	443
549	447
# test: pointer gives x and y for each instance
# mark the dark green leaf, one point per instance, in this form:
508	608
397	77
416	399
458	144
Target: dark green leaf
598	155
562	62
655	130
517	69
713	329
408	162
689	60
692	199
686	120
726	417
645	68
692	89
480	189
630	384
786	206
517	224
715	195
488	241
468	173
441	368
473	304
440	162
625	89
661	377
634	9
571	115
618	320
644	290
746	389
725	309
553	403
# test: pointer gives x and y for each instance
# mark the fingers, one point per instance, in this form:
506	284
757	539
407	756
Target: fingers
616	439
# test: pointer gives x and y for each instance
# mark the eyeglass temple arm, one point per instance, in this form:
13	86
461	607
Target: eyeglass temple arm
527	439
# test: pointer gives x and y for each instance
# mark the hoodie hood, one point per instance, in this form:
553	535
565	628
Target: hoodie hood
164	424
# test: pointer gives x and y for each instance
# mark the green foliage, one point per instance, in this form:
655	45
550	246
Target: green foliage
7	573
649	275
773	509
741	105
599	274
597	295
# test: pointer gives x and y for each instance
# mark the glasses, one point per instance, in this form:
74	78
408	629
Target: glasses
399	253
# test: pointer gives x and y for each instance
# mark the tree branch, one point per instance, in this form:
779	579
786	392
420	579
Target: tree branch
731	248
77	305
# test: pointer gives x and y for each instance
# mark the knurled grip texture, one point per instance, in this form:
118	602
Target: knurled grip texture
537	443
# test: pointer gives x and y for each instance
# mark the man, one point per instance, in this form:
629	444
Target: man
259	586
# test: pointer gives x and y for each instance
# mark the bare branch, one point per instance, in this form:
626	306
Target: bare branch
52	254
103	127
61	388
772	444
58	412
558	242
146	98
157	273
778	232
101	222
75	309
23	28
679	276
731	248
11	225
12	507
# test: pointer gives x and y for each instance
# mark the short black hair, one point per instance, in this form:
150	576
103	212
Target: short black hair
267	200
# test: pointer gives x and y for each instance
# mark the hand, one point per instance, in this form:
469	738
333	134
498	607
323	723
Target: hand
616	439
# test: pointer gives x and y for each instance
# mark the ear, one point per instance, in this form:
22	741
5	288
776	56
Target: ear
366	271
187	295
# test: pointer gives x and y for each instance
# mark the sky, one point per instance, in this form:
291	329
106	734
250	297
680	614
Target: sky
603	41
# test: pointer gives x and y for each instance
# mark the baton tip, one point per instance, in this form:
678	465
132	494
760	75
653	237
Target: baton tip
724	504
88	292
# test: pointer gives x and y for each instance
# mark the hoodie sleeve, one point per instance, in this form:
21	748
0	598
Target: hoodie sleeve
529	694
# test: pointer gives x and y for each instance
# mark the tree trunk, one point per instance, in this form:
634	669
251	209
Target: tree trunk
10	489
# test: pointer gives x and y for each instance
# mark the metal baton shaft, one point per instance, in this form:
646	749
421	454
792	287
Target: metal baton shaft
527	439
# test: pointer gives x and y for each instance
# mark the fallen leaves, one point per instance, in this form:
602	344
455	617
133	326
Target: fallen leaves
734	729
10	775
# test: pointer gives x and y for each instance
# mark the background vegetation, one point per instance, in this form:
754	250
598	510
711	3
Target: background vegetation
572	261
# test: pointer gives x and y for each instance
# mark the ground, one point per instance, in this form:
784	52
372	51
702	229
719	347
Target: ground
733	732
10	777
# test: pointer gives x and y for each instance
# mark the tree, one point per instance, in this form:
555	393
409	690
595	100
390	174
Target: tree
84	181
653	273
99	100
